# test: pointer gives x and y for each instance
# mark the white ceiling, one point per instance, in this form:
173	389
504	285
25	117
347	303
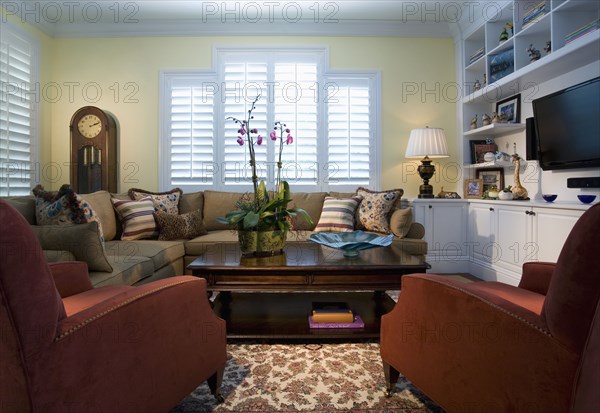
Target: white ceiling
112	18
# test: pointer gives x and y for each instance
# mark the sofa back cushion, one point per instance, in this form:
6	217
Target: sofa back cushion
191	202
24	204
217	204
100	203
311	202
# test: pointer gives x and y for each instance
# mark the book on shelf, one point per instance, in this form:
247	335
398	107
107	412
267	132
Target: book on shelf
357	322
588	28
533	15
331	312
477	54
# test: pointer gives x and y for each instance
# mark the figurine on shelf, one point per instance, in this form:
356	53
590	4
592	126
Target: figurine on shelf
502	118
495	118
534	54
509	26
548	47
485	119
476	85
474	122
518	191
503	35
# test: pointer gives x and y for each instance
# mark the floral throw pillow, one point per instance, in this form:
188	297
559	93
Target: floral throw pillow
338	214
63	207
376	207
184	226
167	202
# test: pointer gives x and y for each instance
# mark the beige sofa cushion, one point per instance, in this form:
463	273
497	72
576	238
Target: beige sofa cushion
102	207
25	205
400	222
217	204
126	271
160	253
311	202
191	202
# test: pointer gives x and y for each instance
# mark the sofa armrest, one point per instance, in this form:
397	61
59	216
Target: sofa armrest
70	277
536	276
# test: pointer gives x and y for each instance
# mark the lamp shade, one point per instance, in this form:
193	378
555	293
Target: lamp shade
429	142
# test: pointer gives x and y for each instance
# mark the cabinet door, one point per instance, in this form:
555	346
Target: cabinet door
551	227
513	245
449	229
481	230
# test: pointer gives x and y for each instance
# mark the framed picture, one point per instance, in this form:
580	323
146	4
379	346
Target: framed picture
510	107
473	188
502	64
491	177
479	149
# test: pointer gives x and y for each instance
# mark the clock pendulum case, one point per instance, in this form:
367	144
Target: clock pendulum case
93	150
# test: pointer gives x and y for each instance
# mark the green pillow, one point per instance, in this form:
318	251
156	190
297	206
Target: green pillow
82	240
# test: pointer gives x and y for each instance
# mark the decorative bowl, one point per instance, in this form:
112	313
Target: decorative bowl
549	197
586	199
351	242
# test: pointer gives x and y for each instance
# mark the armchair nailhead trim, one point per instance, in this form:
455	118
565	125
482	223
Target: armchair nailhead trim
496	306
129	300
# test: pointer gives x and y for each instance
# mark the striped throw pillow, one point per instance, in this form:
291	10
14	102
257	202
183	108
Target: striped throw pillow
137	218
338	214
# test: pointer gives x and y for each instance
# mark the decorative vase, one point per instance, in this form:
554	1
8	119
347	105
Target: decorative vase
505	196
261	243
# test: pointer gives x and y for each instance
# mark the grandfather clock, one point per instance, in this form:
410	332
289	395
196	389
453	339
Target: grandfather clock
93	150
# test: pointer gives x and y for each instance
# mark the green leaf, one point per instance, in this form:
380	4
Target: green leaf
251	220
304	214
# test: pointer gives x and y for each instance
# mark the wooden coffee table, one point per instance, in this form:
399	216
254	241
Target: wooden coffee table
270	297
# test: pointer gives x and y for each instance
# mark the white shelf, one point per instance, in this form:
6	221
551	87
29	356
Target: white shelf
496	164
494	130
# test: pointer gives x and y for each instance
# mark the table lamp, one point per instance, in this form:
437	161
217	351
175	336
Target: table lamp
428	143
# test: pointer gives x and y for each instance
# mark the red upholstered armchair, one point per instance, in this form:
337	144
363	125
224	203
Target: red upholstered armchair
65	346
488	346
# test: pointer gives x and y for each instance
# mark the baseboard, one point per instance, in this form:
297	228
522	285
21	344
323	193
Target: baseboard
440	265
488	273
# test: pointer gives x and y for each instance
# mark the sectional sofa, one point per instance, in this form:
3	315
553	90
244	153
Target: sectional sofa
140	261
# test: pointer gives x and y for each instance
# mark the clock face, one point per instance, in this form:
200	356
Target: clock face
89	126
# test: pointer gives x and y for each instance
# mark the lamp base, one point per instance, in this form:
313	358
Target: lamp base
426	171
426	196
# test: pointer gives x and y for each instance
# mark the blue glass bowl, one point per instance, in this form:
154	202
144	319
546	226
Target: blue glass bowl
549	197
351	242
586	199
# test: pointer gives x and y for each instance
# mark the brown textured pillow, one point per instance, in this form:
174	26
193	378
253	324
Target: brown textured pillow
82	240
400	222
185	226
375	208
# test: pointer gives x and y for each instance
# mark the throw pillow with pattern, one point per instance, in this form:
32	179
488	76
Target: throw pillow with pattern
376	207
184	226
167	202
338	214
137	218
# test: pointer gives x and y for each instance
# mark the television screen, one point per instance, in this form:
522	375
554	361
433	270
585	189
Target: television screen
567	125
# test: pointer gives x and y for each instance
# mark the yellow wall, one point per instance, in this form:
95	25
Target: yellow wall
114	63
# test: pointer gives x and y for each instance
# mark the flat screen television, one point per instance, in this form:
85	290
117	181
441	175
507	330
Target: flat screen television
567	125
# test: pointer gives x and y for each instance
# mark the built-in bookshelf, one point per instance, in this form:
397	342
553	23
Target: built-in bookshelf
564	33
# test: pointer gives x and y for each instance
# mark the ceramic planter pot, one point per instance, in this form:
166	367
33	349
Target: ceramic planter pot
505	196
261	243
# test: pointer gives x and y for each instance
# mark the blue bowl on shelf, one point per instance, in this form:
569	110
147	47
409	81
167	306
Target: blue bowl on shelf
586	199
549	197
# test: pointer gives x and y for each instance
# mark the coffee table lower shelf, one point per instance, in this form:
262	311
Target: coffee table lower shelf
284	315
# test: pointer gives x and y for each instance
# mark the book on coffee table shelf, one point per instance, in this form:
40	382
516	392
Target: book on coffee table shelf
357	322
331	312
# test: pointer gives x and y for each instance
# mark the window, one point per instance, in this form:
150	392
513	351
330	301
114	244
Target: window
334	119
18	108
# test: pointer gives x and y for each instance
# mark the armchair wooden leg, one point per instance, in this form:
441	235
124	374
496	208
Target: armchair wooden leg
214	383
391	378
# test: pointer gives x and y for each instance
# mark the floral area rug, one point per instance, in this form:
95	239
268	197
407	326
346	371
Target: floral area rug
345	377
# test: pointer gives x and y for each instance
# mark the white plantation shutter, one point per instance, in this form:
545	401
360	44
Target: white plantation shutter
190	131
17	113
242	83
349	127
336	131
296	106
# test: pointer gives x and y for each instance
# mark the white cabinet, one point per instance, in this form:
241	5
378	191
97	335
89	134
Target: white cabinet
503	236
445	223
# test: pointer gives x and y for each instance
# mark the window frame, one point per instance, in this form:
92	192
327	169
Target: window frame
9	30
319	54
